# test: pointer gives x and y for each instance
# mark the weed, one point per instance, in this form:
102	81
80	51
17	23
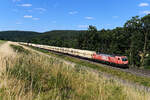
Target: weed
145	81
19	49
38	77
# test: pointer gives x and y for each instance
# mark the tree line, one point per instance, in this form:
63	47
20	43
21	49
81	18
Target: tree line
131	40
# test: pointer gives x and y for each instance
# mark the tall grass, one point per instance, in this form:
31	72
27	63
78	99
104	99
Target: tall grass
1	42
19	49
37	77
140	80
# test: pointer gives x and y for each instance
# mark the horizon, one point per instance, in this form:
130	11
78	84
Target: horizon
53	30
41	32
43	16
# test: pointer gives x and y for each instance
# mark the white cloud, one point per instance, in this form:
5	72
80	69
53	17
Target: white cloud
108	24
145	12
41	9
143	4
36	18
15	10
28	16
53	21
115	17
56	5
89	18
73	12
18	23
25	5
31	17
16	0
83	26
30	10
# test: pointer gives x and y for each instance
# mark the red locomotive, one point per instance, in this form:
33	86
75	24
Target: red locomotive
112	59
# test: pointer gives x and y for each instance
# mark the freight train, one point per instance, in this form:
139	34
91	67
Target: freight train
111	59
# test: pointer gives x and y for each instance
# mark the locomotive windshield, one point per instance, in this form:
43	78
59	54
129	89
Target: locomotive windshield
124	59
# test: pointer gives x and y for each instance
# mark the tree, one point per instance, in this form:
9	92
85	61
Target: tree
88	41
133	30
146	30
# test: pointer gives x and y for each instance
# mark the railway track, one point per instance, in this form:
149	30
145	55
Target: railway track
137	72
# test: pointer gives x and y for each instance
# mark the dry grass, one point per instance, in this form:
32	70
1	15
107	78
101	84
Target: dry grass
10	88
34	76
1	42
140	80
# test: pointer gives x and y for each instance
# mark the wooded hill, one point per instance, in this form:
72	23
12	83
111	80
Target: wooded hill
66	38
17	35
132	40
61	38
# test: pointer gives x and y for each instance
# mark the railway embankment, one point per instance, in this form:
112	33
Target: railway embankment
34	75
123	74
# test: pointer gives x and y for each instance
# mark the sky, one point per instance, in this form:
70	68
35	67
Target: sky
46	15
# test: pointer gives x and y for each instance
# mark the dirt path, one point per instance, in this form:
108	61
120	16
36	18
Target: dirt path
6	50
41	53
6	54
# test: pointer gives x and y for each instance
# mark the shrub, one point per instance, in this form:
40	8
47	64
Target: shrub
19	49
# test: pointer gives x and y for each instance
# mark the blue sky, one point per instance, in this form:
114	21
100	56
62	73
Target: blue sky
46	15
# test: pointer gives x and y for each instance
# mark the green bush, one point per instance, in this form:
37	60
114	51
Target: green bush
19	49
147	62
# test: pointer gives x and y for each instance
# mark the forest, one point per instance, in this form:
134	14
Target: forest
131	40
17	35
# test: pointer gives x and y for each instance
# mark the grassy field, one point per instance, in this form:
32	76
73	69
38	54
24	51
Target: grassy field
33	76
1	42
145	81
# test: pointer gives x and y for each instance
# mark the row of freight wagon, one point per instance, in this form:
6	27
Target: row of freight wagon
71	51
112	59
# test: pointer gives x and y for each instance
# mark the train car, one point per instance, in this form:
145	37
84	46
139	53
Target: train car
86	53
112	59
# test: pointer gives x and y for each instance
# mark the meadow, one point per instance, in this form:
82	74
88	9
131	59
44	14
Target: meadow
140	80
1	42
27	75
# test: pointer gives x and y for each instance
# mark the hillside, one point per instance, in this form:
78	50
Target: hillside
66	38
17	35
32	75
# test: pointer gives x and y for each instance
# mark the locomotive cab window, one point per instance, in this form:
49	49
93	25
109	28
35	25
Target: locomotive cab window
124	59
